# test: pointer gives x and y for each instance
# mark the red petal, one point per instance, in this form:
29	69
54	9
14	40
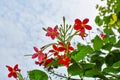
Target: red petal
51	51
85	21
53	37
16	67
41	57
54	47
88	27
71	48
60	43
56	53
10	75
36	49
60	61
77	27
49	29
34	55
14	75
48	61
61	49
9	68
78	21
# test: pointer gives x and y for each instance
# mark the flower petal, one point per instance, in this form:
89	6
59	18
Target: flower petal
61	49
88	27
15	75
49	29
9	68
36	49
76	27
10	74
85	21
48	61
51	51
34	55
16	67
78	21
41	57
54	47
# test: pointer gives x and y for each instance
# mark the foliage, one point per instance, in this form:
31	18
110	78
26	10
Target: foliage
99	59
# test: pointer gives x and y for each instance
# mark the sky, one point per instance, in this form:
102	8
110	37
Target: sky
21	23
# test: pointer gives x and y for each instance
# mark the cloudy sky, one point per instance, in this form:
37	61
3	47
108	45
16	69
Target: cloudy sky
21	23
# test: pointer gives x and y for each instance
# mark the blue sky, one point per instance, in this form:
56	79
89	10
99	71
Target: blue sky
21	23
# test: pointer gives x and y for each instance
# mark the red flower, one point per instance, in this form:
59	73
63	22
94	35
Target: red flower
38	54
44	62
64	60
13	71
83	34
52	32
103	36
68	48
79	25
56	50
48	61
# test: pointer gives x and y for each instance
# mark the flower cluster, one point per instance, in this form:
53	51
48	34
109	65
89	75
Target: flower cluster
59	53
61	50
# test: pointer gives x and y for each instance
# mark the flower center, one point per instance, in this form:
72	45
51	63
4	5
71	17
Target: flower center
82	25
13	71
52	33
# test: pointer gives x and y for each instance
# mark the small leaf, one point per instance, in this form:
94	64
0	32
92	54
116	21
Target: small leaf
112	70
37	75
112	39
98	21
97	43
117	64
107	46
74	69
108	31
82	53
91	73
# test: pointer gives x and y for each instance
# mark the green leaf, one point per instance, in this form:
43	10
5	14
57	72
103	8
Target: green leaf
106	19
87	66
112	39
110	69
91	73
117	64
74	69
97	43
112	57
98	21
98	60
108	31
107	46
82	53
37	75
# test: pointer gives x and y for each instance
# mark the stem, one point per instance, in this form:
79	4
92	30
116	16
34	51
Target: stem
67	78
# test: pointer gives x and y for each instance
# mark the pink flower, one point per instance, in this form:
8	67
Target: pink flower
52	32
38	54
